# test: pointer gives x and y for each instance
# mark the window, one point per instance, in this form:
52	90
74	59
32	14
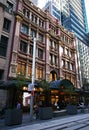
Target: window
24	29
63	50
28	14
35	19
9	7
68	65
31	50
3	45
55	60
1	74
55	45
29	71
33	33
21	68
40	53
32	18
71	66
71	53
51	44
41	37
24	11
23	46
42	24
6	25
39	73
66	51
51	59
63	63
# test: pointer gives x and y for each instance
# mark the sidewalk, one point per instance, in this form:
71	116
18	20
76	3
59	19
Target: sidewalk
43	124
49	124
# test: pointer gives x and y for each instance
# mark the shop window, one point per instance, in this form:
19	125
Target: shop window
6	25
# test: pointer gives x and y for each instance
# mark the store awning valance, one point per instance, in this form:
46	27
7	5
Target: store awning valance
61	83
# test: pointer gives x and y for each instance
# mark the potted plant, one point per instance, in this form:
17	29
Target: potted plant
13	115
71	106
45	111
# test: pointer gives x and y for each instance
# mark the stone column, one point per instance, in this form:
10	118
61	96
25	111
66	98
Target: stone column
16	45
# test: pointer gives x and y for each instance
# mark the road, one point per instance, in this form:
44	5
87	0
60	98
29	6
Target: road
69	122
82	124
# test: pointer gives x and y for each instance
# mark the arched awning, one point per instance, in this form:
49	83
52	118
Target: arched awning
59	83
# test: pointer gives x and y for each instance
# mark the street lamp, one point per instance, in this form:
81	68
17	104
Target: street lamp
31	86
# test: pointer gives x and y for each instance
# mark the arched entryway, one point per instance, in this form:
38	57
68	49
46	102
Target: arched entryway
53	75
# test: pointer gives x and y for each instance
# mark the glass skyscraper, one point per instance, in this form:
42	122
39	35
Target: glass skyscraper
74	18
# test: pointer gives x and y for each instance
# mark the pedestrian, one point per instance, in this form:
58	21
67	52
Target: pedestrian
36	111
18	105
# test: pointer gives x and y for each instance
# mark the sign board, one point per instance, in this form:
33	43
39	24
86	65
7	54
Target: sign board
30	87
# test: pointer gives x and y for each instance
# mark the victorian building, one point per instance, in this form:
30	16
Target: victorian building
56	53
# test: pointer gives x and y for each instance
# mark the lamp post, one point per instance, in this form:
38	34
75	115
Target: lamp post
33	79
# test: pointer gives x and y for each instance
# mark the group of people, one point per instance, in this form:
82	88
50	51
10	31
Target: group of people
60	105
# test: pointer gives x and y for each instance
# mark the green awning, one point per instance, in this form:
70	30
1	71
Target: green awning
59	83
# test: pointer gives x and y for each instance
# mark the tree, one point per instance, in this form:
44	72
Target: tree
45	85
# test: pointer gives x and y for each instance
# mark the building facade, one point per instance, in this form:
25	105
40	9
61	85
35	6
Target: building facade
55	51
7	8
73	18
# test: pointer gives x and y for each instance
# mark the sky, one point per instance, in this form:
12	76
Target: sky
41	4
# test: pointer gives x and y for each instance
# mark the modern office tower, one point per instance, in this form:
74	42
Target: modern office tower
7	7
84	58
72	15
53	6
35	2
73	18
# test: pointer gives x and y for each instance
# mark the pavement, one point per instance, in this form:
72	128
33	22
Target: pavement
59	122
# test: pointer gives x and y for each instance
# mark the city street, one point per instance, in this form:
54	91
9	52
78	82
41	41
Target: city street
75	122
